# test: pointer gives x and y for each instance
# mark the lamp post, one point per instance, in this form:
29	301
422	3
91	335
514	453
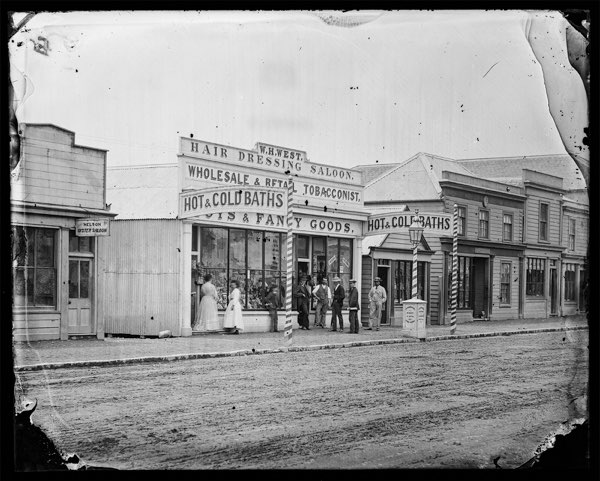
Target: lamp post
415	231
415	310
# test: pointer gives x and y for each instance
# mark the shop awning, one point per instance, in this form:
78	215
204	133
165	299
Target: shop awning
372	241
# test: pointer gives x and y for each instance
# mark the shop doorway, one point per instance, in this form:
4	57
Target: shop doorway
480	287
80	296
383	272
553	292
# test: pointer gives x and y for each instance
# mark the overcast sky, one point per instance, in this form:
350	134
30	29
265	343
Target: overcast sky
461	84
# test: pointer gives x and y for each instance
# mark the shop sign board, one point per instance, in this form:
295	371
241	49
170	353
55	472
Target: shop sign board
232	199
301	223
196	173
391	222
92	227
268	158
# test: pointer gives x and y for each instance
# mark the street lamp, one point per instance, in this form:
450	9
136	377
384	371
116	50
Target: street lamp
415	231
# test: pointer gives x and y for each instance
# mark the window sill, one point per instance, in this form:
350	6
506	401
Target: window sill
504	306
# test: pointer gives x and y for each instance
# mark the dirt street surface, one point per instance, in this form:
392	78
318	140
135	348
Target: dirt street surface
445	404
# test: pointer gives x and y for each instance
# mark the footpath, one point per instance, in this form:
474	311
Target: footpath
38	355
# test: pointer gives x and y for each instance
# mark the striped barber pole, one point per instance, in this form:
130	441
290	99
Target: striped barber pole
287	330
414	270
454	270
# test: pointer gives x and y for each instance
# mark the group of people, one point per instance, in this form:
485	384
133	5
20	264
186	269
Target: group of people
327	298
207	315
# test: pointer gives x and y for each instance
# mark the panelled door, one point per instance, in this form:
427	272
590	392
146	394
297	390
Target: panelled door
80	295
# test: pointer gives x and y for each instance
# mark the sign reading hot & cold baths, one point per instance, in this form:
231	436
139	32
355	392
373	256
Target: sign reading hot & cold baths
390	222
235	199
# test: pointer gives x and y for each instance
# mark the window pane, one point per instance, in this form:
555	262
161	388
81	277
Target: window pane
23	245
73	279
272	251
84	279
275	278
45	287
44	247
213	247
302	246
345	256
73	241
319	261
332	255
86	244
255	253
257	290
237	249
194	238
219	280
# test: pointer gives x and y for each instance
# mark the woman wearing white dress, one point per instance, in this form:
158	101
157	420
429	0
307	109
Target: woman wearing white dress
233	314
207	318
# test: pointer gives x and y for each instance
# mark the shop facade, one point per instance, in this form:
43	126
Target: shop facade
522	235
225	210
58	223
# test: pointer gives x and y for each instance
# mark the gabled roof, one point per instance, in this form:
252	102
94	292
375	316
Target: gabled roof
418	177
372	171
509	169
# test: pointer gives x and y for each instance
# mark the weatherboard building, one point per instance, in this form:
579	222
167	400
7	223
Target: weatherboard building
222	210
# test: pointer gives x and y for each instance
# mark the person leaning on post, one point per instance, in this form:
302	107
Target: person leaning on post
377	297
353	306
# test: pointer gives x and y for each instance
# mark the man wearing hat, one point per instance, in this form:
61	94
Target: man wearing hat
377	297
353	306
302	295
322	293
336	305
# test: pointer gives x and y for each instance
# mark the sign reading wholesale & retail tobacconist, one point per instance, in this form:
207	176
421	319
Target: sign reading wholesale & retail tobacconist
389	222
90	227
214	200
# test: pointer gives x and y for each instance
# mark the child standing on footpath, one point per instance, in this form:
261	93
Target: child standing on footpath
272	303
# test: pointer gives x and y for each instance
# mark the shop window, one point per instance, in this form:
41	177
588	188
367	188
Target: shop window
484	224
505	268
319	260
462	220
34	266
543	222
507	227
571	233
254	258
570	294
534	283
463	298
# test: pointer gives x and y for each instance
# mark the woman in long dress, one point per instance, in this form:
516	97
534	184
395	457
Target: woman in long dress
233	322
207	317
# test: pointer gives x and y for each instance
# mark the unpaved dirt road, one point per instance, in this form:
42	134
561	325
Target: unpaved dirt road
452	404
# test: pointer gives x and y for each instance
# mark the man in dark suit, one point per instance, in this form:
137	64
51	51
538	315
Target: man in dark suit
336	305
353	306
302	295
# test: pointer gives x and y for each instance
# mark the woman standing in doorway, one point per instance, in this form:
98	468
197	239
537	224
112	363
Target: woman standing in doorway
207	318
234	322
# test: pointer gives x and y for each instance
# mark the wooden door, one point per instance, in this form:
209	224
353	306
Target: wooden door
80	296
